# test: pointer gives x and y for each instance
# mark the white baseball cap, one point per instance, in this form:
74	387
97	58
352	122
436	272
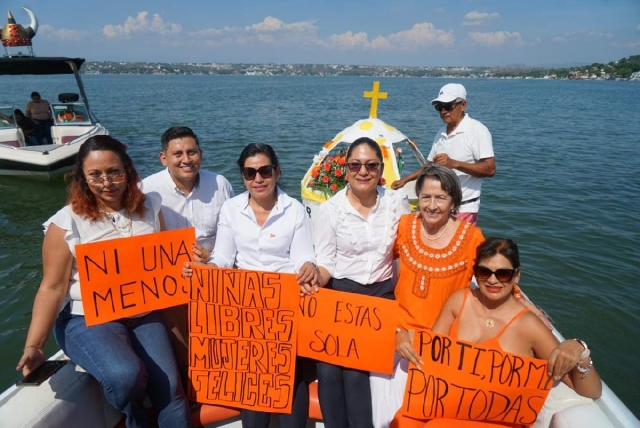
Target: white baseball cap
450	92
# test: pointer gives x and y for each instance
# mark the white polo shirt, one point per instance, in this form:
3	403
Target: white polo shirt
352	247
469	142
282	244
199	209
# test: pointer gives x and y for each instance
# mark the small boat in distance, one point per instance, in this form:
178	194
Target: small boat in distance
73	120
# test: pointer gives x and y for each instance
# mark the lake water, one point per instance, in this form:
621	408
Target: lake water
566	187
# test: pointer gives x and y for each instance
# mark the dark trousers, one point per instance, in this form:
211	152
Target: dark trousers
345	397
43	130
305	373
345	394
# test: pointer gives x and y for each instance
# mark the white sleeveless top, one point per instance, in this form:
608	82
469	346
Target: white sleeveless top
83	231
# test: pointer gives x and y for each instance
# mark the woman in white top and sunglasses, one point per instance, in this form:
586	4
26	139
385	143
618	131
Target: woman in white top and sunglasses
266	230
354	234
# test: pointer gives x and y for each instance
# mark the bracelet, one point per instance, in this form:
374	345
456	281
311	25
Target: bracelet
587	352
39	348
584	370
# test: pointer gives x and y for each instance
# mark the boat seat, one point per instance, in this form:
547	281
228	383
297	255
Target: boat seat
12	137
208	414
582	416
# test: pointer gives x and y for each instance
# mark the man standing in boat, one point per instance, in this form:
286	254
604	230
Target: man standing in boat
40	111
464	145
191	197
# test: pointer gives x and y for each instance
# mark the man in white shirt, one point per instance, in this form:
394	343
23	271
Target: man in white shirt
190	197
464	145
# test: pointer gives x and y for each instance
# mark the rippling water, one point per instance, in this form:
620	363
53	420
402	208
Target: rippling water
566	189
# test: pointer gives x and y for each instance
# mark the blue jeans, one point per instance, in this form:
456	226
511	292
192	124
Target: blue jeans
345	397
131	358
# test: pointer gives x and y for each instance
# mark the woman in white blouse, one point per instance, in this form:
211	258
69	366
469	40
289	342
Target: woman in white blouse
266	230
354	234
130	357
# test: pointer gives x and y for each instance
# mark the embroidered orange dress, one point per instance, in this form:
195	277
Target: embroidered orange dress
428	276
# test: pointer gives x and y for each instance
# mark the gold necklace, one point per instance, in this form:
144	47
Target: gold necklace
125	230
424	232
489	323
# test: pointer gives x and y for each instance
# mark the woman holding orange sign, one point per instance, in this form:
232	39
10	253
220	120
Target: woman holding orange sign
130	357
493	317
264	229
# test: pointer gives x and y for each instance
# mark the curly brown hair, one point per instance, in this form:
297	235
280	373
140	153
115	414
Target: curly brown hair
82	200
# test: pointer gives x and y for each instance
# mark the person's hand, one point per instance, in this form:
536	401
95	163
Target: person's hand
31	359
398	184
444	159
405	350
308	279
200	254
564	358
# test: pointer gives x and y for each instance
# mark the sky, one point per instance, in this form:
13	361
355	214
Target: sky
451	33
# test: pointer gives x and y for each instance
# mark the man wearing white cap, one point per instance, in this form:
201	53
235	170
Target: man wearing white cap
464	145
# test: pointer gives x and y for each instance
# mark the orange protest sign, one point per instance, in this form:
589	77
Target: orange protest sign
242	338
349	330
464	380
129	276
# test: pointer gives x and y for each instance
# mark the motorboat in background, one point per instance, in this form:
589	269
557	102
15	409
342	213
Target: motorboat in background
73	120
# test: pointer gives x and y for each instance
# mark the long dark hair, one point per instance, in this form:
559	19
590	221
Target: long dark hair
81	198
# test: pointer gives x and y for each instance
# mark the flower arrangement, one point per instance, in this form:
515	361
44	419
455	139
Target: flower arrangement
329	176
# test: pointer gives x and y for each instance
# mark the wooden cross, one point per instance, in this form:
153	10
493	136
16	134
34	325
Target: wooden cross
375	95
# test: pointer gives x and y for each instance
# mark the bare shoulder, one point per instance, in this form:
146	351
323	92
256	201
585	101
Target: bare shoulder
534	329
455	300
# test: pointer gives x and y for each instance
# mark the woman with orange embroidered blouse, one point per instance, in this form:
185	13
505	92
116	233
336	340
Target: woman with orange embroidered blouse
437	254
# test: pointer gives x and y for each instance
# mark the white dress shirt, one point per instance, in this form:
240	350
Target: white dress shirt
199	209
469	142
350	246
282	244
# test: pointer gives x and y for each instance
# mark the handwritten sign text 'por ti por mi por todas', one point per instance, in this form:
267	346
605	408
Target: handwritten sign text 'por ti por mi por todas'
242	338
125	277
464	380
349	330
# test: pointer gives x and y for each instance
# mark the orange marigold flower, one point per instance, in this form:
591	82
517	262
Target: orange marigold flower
315	173
339	173
341	161
333	187
325	179
327	167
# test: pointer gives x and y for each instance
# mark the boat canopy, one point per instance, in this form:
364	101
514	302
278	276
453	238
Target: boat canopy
36	65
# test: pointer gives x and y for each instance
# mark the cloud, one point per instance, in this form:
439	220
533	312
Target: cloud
141	25
495	39
580	36
626	45
479	18
419	36
65	34
271	31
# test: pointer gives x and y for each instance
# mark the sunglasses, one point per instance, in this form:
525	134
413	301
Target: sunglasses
503	275
355	166
446	106
265	171
114	177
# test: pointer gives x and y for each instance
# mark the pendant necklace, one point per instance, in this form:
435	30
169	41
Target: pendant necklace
121	224
424	232
489	323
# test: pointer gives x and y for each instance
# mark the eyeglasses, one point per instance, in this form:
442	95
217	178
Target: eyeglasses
355	166
265	171
113	177
446	106
503	275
